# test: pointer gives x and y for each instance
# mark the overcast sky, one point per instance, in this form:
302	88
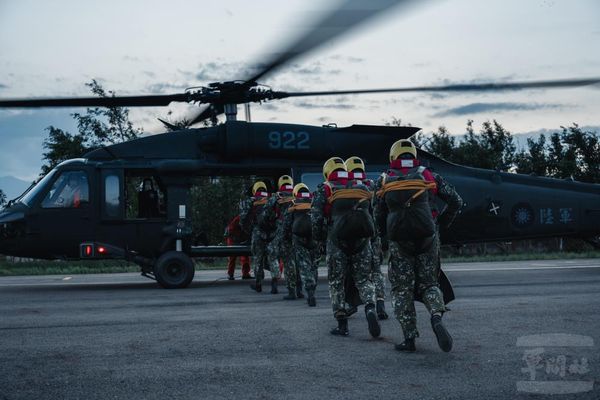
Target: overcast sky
51	48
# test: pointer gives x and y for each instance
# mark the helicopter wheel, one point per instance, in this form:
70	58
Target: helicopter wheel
174	270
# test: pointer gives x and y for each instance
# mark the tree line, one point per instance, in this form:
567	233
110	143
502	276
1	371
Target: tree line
570	153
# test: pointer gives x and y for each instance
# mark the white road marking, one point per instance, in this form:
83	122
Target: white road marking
521	268
122	279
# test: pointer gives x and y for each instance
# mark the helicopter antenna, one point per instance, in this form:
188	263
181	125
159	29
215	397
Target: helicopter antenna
247	112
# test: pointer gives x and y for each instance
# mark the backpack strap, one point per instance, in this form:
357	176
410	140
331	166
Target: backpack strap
410	184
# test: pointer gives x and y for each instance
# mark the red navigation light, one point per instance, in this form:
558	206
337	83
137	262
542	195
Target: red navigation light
101	249
88	250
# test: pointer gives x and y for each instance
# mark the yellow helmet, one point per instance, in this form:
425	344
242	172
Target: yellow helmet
402	146
299	187
285	180
333	164
354	163
258	187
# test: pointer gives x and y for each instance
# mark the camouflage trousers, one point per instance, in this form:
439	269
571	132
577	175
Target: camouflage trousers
305	263
410	262
340	266
376	274
259	248
277	252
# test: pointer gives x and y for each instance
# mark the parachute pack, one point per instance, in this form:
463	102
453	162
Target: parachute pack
407	199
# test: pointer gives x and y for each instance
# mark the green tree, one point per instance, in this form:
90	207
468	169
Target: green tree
216	202
441	144
534	160
61	146
491	148
2	198
96	128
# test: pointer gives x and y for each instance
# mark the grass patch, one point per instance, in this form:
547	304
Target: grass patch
44	267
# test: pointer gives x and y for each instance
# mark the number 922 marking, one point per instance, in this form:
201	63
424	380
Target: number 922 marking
289	140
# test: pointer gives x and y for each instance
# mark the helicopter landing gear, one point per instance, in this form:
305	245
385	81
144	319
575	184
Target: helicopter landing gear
174	270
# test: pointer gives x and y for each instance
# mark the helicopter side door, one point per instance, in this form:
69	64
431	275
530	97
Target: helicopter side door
131	215
65	215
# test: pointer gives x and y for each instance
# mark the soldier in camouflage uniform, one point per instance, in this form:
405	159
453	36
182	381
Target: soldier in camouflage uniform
280	250
340	215
297	229
406	216
356	167
261	233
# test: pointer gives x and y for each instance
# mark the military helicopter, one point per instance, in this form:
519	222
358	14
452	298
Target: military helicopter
79	209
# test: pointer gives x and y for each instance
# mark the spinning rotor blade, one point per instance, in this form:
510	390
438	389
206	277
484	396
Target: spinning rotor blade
126	101
467	87
348	15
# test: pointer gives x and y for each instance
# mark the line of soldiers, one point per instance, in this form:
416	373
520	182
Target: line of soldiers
356	220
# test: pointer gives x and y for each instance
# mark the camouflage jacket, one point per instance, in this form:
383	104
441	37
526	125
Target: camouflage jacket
273	212
318	216
249	213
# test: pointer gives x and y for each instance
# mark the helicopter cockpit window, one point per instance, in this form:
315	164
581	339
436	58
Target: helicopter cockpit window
28	197
70	190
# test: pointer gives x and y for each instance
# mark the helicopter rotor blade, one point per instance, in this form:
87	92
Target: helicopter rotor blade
126	101
467	87
336	22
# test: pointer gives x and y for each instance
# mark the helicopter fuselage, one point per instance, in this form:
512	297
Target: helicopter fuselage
46	223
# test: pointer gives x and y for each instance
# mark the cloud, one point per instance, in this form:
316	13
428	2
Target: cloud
219	71
339	106
269	106
314	71
348	59
164	87
478	108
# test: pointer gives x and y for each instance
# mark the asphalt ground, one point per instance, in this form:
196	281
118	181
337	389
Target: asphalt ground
120	336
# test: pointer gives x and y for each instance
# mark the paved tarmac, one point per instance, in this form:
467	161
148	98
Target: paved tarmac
120	336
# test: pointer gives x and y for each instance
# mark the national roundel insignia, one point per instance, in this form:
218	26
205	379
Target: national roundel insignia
522	215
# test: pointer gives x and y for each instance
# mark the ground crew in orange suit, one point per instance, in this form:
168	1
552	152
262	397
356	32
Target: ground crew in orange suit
234	235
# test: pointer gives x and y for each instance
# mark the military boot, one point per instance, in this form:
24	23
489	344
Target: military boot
374	328
291	294
312	302
407	346
381	314
341	329
274	286
257	286
441	333
351	311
